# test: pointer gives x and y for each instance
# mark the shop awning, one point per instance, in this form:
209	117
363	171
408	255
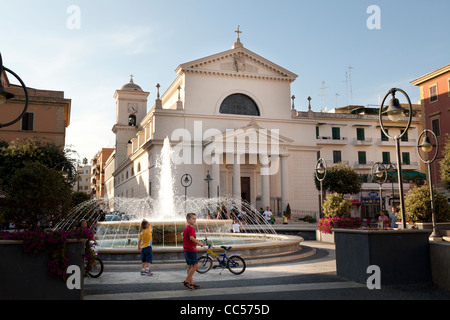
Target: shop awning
409	174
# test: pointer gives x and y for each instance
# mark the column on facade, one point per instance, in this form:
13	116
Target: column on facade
237	176
284	181
215	170
265	181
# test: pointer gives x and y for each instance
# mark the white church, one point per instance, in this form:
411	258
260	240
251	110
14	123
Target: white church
228	115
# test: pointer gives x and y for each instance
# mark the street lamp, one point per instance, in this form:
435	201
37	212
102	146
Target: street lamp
395	113
379	173
186	181
426	146
321	172
5	95
208	179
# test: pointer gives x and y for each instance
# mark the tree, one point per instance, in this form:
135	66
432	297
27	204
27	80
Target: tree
445	166
36	178
36	196
341	179
418	205
14	157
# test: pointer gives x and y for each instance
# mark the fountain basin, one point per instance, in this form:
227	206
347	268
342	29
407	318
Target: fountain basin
260	246
124	234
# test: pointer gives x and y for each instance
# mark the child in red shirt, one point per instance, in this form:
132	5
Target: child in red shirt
190	250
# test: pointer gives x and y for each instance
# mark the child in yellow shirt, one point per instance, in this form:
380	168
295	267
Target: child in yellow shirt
145	237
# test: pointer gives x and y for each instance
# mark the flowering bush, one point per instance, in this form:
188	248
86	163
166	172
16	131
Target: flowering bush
327	223
37	241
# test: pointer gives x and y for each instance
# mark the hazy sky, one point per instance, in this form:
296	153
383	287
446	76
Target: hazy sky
90	57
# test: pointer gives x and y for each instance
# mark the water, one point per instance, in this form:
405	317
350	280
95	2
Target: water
166	214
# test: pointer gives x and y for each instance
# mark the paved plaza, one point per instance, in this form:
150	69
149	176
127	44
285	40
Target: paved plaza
308	278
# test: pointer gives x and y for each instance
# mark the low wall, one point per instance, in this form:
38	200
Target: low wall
402	255
440	264
24	277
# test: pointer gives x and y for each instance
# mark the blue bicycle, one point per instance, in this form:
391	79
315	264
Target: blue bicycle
235	263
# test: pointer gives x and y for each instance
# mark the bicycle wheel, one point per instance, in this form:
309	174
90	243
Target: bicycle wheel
204	264
97	268
236	264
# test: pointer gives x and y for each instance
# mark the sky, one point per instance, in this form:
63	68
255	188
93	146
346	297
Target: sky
344	52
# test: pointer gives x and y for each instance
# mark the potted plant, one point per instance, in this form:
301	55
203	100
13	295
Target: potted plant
288	211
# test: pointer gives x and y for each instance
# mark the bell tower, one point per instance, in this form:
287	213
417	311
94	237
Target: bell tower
131	108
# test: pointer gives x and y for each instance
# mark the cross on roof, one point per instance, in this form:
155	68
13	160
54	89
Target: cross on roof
238	32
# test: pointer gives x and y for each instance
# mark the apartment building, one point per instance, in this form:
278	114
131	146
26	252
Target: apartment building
352	134
435	98
47	116
83	182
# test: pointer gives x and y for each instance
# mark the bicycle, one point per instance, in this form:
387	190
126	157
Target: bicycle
235	263
97	267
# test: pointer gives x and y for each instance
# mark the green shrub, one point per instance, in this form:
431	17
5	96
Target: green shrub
418	205
335	206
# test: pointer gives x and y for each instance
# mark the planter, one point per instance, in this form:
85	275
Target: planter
25	277
403	256
325	237
440	264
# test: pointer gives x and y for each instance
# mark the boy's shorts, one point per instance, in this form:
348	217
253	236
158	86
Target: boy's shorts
147	254
191	258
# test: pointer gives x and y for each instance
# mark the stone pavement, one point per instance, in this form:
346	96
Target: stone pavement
311	278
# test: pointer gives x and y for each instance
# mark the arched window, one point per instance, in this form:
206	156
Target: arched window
132	120
239	104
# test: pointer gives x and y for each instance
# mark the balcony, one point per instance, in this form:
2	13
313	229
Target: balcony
391	143
363	166
330	141
365	142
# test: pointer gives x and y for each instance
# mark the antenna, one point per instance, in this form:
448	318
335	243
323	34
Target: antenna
323	96
337	95
350	80
346	85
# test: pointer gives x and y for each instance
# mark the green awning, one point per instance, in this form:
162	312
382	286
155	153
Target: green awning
409	174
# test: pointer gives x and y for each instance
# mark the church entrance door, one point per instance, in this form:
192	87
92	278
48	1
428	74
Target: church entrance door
245	189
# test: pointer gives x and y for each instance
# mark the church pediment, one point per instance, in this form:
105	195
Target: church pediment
251	138
239	62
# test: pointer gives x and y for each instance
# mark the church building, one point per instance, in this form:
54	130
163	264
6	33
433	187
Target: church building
233	130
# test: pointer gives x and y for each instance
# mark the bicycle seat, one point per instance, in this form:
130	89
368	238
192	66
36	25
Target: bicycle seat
225	248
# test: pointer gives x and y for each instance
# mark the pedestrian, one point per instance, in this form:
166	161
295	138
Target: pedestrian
236	226
190	243
383	219
285	218
145	247
268	215
393	217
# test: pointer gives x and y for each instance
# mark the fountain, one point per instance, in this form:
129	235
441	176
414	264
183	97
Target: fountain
117	232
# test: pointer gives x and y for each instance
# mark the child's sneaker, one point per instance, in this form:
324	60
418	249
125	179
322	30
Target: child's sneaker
143	273
148	273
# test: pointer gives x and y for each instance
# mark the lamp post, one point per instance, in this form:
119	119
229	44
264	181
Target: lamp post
5	95
208	179
379	173
395	113
321	172
426	146
186	181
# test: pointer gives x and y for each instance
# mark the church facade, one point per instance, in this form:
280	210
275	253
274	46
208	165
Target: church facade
229	116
